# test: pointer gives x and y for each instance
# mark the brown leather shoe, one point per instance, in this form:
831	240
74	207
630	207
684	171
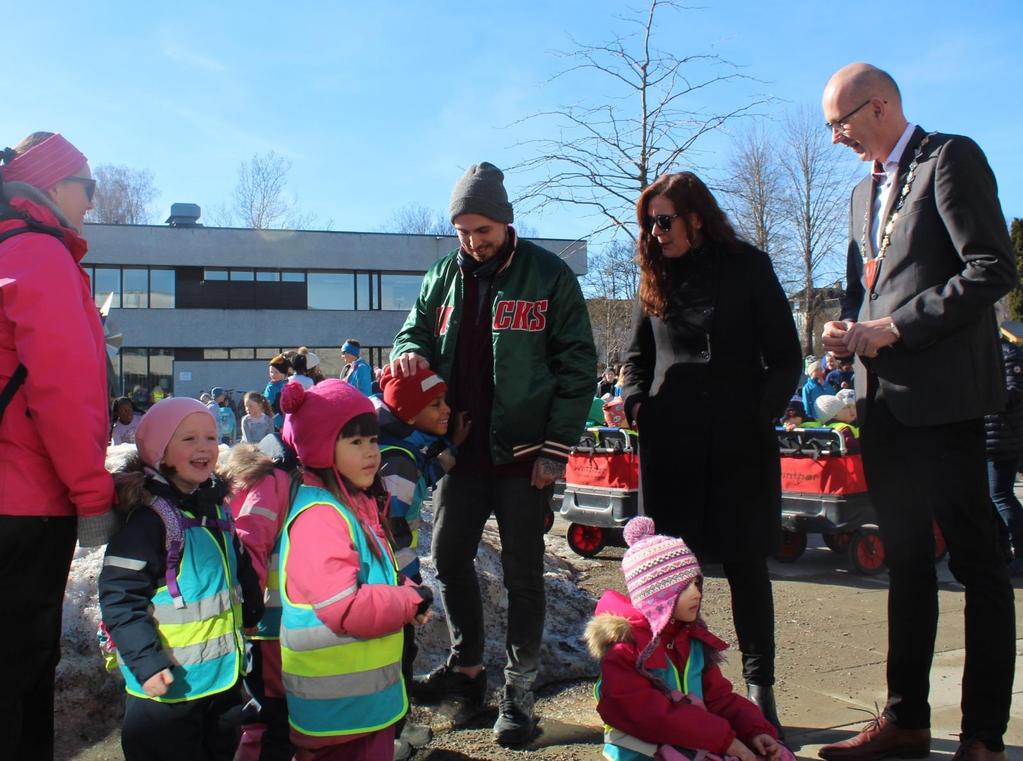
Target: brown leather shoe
975	750
878	740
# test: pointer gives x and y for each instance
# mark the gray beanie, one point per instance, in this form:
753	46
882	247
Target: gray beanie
481	191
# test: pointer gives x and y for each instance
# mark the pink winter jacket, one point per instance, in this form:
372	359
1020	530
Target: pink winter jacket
53	434
323	563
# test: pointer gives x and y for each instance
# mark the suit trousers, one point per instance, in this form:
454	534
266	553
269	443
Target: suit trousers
462	505
35	557
916	475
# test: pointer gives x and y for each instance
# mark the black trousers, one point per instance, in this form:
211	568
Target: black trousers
753	616
195	730
916	475
462	505
35	557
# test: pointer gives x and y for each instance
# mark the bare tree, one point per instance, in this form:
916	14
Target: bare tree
607	152
754	199
124	196
416	219
260	200
817	183
610	284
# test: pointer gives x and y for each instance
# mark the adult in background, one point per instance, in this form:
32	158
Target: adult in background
929	255
278	370
1004	436
505	323
710	471
356	370
53	434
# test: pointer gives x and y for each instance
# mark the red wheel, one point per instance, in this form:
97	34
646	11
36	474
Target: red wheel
866	552
940	548
836	542
585	540
793	545
548	521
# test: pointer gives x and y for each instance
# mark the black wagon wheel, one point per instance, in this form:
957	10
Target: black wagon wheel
793	545
866	552
585	540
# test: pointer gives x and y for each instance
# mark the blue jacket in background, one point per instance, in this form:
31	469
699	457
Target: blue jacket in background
360	375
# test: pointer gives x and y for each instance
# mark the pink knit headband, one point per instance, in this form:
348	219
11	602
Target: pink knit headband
45	164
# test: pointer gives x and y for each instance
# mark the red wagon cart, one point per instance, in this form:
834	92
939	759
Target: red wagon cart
824	491
601	488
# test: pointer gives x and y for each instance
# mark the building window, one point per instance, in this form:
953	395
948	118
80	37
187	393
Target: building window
242	275
242	353
135	374
161	289
331	290
364	298
214	274
214	354
135	292
293	276
106	282
268	276
399	292
267	352
161	373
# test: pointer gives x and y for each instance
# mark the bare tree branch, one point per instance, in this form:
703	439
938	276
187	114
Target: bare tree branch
124	196
604	155
259	199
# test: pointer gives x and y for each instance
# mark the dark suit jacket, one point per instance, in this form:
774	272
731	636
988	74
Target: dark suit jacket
949	261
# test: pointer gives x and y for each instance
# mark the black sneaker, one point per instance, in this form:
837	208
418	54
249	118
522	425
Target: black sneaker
515	723
448	683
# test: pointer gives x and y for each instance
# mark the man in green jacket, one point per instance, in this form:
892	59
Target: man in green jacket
505	323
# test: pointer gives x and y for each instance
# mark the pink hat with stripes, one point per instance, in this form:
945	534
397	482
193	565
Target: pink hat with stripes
45	164
657	570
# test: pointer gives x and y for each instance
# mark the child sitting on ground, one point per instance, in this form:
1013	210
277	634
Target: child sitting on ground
838	413
168	591
661	692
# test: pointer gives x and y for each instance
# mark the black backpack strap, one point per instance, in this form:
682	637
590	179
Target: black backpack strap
12	386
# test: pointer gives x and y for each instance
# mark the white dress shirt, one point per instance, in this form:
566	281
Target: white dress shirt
891	170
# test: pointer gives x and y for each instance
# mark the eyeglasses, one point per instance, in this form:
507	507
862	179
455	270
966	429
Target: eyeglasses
88	185
663	221
839	125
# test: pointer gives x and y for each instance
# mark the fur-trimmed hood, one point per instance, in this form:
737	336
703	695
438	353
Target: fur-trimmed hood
244	467
616	620
125	465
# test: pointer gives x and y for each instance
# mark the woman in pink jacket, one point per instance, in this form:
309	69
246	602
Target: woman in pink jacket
54	425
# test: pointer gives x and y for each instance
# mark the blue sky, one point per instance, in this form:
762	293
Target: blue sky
381	105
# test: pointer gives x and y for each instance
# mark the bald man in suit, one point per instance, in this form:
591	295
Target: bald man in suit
929	255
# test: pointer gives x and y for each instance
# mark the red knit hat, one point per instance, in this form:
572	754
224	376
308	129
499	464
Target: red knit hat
409	396
315	417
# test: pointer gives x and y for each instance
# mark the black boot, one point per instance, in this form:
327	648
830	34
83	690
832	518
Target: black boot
763	698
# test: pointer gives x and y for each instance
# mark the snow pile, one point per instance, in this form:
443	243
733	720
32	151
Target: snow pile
89	700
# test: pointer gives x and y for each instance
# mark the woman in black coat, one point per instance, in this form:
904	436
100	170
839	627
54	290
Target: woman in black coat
714	358
1004	440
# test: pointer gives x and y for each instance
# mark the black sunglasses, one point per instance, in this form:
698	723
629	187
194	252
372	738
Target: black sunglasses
88	185
663	221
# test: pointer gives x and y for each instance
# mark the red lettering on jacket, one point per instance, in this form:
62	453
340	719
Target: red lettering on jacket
517	314
440	327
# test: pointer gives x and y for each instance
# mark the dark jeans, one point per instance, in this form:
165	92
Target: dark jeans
194	730
462	505
35	557
915	475
753	615
1001	478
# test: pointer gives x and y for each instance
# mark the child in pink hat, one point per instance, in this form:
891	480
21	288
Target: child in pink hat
343	603
661	692
169	589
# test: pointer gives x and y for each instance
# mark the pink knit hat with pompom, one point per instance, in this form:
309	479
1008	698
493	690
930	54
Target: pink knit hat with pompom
316	416
657	570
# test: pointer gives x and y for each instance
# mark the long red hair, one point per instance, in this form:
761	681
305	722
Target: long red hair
688	195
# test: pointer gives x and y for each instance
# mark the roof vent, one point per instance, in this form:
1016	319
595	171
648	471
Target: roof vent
184	215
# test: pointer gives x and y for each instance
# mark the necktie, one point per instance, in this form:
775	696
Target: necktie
878	173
